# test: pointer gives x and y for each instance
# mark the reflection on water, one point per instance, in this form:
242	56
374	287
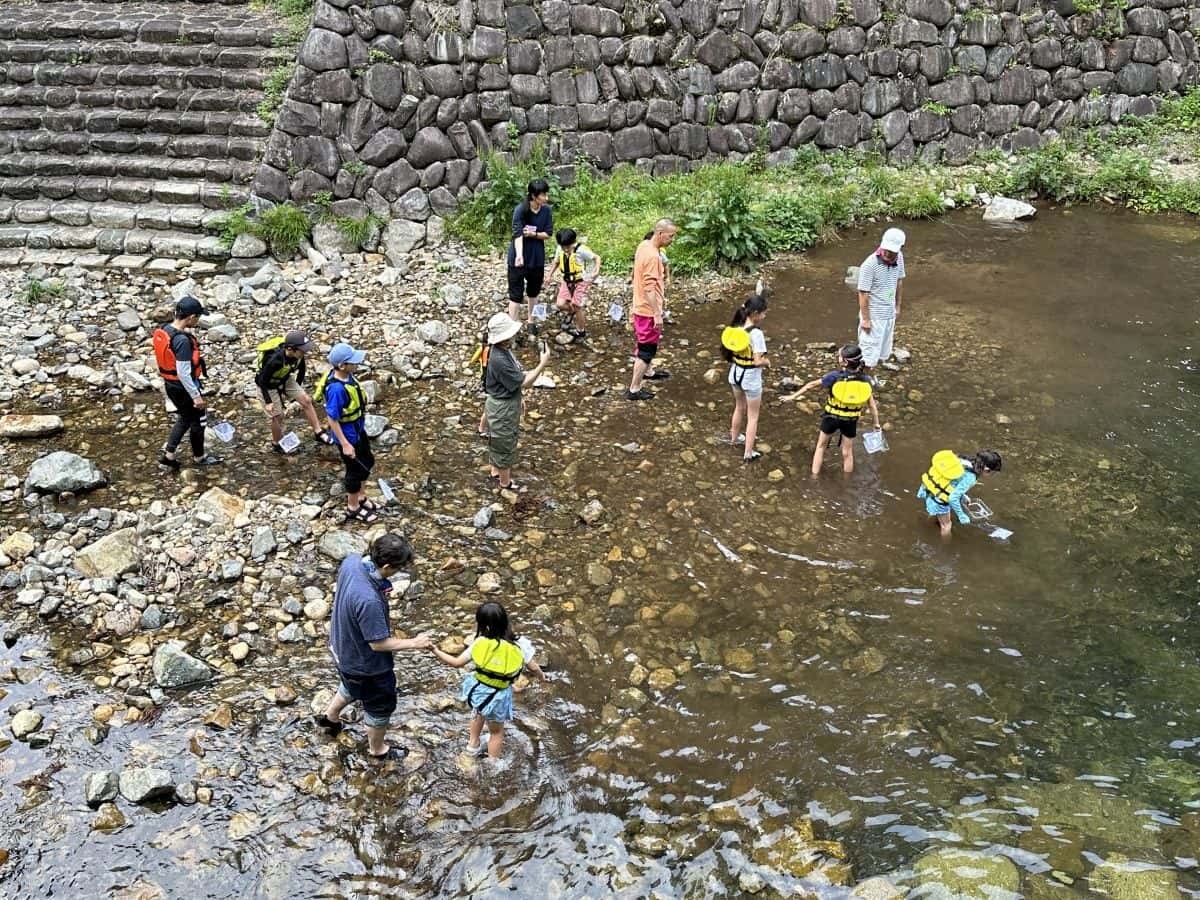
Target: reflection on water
785	682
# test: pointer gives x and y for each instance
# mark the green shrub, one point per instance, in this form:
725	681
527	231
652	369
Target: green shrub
792	222
357	231
487	217
37	290
236	222
723	229
284	228
274	88
1049	171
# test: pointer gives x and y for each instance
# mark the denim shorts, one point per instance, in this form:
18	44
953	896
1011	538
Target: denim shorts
377	693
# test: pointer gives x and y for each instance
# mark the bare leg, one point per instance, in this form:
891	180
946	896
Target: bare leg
495	739
739	415
375	736
277	428
943	521
474	731
514	310
640	369
580	319
333	712
505	476
819	453
753	404
353	501
847	454
310	413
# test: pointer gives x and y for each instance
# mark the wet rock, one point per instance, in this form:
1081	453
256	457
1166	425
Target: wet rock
285	695
111	556
876	889
263	542
221	717
173	668
108	818
337	545
1119	878
290	634
868	662
63	471
151	618
100	787
1004	209
488	583
141	785
592	512
661	679
598	574
751	882
186	793
239	650
243	824
14	425
483	518
25	723
219	507
680	616
966	874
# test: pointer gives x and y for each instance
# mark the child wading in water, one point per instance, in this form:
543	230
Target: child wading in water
745	348
950	476
850	392
498	656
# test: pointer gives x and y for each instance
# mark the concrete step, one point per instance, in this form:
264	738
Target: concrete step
144	216
208	146
151	23
108	120
99	189
154	168
78	53
109	241
176	78
31	100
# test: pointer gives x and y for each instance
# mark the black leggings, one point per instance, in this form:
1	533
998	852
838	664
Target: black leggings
188	420
358	467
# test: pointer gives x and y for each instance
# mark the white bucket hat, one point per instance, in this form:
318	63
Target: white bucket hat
501	327
893	240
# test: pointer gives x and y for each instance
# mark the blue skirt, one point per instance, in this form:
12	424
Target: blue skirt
934	508
494	704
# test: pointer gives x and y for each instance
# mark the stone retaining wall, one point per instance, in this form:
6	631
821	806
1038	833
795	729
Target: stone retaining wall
393	103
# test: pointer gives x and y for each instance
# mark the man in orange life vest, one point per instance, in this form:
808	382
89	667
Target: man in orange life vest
181	366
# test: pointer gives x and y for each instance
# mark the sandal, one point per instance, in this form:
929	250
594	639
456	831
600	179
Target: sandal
361	515
330	727
753	457
660	375
512	486
324	437
368	504
391	754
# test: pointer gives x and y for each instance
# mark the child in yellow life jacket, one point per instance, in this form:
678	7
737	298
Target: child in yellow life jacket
580	266
947	481
745	349
498	656
851	391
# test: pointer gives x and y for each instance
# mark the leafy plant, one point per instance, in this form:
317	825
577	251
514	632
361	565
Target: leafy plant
935	108
792	222
37	290
487	217
274	89
723	229
355	167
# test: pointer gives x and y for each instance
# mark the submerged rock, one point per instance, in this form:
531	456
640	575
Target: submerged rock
1120	879
966	874
174	668
100	787
63	471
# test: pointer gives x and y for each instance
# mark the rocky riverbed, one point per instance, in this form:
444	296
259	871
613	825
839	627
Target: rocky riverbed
757	683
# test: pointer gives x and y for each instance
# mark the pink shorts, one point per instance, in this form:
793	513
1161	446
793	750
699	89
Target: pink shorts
645	331
578	297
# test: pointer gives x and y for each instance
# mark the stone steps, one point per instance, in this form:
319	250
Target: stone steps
77	53
154	216
178	78
34	100
129	128
99	189
113	241
153	168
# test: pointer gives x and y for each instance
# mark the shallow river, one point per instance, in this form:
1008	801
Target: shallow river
785	680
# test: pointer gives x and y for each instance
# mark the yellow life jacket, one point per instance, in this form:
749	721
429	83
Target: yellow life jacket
280	375
357	406
497	663
848	397
944	469
736	340
573	269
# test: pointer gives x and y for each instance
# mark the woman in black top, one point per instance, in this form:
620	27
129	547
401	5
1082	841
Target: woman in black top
532	226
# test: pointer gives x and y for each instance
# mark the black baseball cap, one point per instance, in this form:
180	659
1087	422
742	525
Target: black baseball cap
189	306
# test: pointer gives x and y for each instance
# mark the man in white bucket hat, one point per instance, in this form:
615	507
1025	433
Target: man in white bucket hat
880	281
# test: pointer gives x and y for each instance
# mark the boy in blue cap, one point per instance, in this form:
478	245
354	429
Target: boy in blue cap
345	405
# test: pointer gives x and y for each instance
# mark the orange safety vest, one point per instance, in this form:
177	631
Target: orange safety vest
165	357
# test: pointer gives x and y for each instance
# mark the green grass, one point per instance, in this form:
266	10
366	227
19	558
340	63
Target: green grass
735	214
37	290
283	227
274	88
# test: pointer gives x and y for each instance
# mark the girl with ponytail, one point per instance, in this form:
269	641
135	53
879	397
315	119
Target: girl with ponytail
745	348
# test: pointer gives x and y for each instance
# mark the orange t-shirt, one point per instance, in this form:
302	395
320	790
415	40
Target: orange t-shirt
647	280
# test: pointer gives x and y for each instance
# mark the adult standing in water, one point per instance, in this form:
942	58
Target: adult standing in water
503	381
532	226
360	639
649	294
880	283
181	366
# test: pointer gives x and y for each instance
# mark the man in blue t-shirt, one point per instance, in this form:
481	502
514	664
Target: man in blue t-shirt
360	639
532	226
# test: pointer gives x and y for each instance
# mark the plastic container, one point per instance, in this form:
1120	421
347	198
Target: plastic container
539	312
225	431
289	442
616	312
386	489
874	441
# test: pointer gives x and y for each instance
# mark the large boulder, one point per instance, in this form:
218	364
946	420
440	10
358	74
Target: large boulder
219	507
174	668
400	238
15	425
337	545
1005	209
141	785
111	556
63	471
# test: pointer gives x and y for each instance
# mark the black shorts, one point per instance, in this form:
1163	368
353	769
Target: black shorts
831	424
524	282
647	352
376	693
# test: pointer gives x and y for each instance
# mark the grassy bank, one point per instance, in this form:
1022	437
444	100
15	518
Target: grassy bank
737	213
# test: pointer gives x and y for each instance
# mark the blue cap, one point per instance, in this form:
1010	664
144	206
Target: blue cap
344	353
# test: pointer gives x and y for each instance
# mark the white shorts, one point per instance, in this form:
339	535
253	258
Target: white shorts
876	344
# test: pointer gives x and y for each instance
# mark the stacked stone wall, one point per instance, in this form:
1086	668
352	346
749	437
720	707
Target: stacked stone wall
393	103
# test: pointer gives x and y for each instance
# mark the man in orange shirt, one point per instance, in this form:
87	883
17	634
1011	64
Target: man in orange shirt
648	288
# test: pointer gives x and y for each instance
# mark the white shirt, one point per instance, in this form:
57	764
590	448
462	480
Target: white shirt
751	379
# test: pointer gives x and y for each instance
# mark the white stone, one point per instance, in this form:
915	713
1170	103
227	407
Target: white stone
434	331
1005	209
15	425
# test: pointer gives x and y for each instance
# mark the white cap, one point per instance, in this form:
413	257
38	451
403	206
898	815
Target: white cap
893	239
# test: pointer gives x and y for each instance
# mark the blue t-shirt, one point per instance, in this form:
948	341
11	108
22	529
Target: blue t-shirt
360	615
337	398
533	250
